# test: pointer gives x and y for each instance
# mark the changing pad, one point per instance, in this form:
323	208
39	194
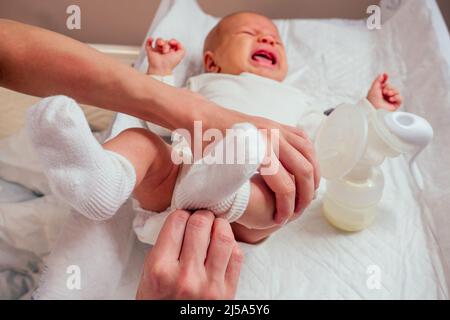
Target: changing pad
405	254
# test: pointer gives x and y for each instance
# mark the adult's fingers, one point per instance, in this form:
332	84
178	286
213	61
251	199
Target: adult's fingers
278	179
306	148
283	186
300	140
282	181
170	239
296	131
233	270
220	249
196	239
303	171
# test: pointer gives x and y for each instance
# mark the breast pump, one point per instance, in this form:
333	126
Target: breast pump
351	144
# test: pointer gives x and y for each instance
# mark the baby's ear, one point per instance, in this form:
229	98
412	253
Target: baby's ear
209	64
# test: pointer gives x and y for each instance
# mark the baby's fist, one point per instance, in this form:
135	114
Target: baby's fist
163	56
384	96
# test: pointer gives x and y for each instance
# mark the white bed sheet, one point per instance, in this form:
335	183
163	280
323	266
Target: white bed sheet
334	61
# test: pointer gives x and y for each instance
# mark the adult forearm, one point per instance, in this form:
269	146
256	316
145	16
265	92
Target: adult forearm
43	63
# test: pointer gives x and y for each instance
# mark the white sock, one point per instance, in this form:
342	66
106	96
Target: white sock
94	181
221	188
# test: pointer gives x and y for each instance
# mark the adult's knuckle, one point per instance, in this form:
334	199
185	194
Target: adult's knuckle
238	255
199	221
309	147
160	280
297	131
160	272
179	217
225	238
187	287
185	291
223	233
213	293
308	170
287	187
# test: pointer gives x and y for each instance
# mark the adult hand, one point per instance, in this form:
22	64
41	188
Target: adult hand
195	257
298	175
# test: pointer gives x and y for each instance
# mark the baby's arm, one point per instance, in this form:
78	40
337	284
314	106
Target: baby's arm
163	56
382	95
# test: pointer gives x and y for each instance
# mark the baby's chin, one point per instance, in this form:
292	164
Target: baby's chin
274	74
268	73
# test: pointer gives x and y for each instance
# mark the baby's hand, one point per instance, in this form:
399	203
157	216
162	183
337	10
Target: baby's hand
384	96
164	56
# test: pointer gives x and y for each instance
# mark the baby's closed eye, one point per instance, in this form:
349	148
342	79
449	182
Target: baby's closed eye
248	32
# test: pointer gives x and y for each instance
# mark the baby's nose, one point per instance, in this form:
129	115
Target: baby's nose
267	39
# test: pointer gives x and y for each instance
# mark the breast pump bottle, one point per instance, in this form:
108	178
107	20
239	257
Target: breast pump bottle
351	144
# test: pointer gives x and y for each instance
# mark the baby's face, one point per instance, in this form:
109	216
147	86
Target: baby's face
246	42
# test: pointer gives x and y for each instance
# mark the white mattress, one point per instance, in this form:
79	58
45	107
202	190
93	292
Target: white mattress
407	249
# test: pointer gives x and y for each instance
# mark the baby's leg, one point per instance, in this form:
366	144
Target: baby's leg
257	222
155	172
220	180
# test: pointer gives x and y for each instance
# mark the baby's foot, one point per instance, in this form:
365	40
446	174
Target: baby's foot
92	180
222	188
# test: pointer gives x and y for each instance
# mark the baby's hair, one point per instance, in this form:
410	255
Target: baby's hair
210	40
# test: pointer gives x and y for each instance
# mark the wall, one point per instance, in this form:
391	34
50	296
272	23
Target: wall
118	22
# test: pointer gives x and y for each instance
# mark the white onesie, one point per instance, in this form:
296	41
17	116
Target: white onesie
254	95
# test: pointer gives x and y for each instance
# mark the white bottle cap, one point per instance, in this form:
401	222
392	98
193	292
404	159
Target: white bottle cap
414	131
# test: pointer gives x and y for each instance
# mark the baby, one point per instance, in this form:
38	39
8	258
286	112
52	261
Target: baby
245	64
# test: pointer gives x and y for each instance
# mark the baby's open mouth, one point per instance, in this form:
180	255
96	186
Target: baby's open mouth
264	57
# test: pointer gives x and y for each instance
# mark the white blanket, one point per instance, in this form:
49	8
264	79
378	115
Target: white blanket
405	254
